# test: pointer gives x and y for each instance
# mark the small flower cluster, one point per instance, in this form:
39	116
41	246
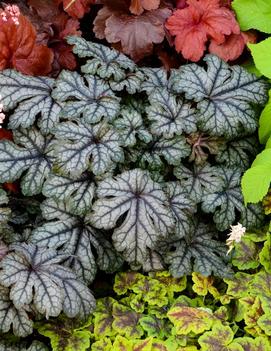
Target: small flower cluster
11	11
235	236
2	115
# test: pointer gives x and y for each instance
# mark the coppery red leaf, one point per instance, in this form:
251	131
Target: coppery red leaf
137	7
200	21
76	8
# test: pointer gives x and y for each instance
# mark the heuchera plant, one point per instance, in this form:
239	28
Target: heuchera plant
159	312
119	163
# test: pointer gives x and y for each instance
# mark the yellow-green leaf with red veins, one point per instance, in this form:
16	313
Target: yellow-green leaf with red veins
126	321
220	338
122	344
126	281
264	323
189	319
153	292
102	345
203	285
258	344
261	287
265	254
103	318
143	345
171	284
246	254
253	313
239	285
243	304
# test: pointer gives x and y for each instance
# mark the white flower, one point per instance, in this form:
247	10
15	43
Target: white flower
235	236
2	115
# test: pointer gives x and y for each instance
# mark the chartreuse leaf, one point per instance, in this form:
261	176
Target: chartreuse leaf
77	193
170	116
104	344
66	334
76	239
224	96
261	55
261	287
197	252
130	126
35	276
264	322
103	318
21	323
239	285
155	326
105	62
135	194
257	344
265	254
83	146
5	211
121	343
172	285
264	122
125	281
252	314
204	285
189	319
253	14
34	156
29	98
126	321
246	254
86	96
218	339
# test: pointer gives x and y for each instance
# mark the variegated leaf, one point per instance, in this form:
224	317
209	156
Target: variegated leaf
143	203
86	96
29	98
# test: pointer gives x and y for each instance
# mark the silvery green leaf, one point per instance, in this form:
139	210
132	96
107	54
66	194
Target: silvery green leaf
34	157
22	325
105	62
199	180
86	96
37	346
224	96
129	124
73	237
172	150
155	79
252	216
28	99
10	345
5	211
83	146
182	207
33	275
78	192
153	262
170	115
227	201
136	207
239	153
132	83
197	252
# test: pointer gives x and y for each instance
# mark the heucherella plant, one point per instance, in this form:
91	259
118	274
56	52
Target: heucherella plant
158	312
120	163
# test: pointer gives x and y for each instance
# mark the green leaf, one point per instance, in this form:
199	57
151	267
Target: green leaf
256	182
21	323
224	96
29	98
199	181
264	323
239	286
105	62
227	200
132	193
169	115
34	156
75	239
77	193
265	254
86	96
66	335
129	125
82	146
261	287
265	122
126	321
103	318
253	14
190	319
246	254
218	339
197	252
261	55
35	276
155	326
257	344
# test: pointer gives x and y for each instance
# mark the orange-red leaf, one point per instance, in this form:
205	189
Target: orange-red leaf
18	48
201	20
76	8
